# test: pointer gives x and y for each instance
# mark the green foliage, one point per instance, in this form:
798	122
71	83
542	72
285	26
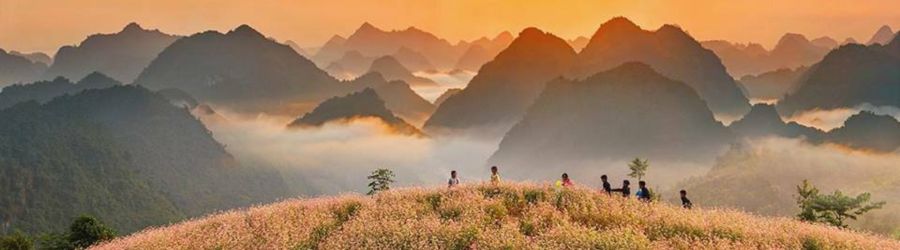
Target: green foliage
345	211
381	180
16	241
832	208
638	168
533	196
87	231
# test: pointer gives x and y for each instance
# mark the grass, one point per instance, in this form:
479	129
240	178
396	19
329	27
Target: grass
483	216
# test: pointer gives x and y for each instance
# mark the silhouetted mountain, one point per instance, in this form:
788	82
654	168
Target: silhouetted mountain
240	70
18	69
373	42
763	120
363	104
794	50
867	130
392	70
825	42
332	50
125	154
884	35
849	40
412	60
848	76
579	43
445	95
179	98
120	55
36	57
482	51
43	91
772	84
498	96
739	59
618	114
351	65
671	52
399	98
296	48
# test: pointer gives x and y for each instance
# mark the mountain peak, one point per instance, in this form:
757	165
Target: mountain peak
132	27
882	36
617	25
504	36
367	27
245	31
96	76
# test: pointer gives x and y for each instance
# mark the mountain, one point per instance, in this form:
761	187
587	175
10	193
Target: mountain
794	50
412	60
671	52
772	85
498	96
392	70
849	76
884	35
374	42
866	130
240	70
17	69
625	112
512	215
825	42
43	91
124	154
363	104
763	120
482	51
35	57
579	43
332	50
351	65
121	55
739	59
447	94
849	40
398	97
296	48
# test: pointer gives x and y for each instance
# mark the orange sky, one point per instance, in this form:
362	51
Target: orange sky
44	25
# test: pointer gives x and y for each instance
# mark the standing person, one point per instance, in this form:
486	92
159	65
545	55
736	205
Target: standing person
565	181
453	180
606	187
626	189
495	175
685	202
643	193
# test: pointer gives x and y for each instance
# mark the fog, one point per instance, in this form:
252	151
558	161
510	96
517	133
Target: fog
830	119
445	81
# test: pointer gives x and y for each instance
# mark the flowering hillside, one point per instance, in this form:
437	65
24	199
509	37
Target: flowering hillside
482	216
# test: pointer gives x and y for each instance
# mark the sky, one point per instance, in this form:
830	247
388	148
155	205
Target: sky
45	25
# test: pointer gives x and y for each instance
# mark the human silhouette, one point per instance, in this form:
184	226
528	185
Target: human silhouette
453	180
625	190
643	193
685	202
606	186
495	175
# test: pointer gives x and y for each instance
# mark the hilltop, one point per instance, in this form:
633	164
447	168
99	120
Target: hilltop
516	216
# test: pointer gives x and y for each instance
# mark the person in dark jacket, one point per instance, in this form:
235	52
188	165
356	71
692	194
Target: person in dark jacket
606	187
625	190
685	202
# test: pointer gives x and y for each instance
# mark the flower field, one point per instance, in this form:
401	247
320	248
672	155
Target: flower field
483	216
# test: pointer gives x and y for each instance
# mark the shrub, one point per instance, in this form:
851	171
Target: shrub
86	231
16	241
533	196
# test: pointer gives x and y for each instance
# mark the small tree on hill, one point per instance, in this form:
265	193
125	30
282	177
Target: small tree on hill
87	230
381	180
832	208
638	168
16	241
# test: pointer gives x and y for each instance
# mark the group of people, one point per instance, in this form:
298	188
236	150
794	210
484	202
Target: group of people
642	194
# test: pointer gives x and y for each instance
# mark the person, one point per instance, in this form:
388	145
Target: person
565	181
685	202
453	180
643	193
606	187
625	190
495	176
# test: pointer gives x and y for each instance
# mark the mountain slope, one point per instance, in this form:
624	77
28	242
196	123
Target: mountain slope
848	76
363	104
884	35
626	112
18	69
773	85
866	130
392	70
671	52
496	98
43	91
763	120
121	55
374	42
508	216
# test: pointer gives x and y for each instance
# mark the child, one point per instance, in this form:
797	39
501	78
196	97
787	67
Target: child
495	176
626	189
685	202
606	187
643	192
453	180
565	181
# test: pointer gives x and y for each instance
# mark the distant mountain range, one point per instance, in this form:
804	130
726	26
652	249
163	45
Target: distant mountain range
849	76
43	91
392	70
16	68
628	111
773	85
36	57
883	36
121	55
363	104
124	154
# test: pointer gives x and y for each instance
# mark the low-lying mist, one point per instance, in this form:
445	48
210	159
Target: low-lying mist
830	119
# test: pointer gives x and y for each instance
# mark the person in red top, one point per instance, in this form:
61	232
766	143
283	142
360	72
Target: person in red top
566	182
